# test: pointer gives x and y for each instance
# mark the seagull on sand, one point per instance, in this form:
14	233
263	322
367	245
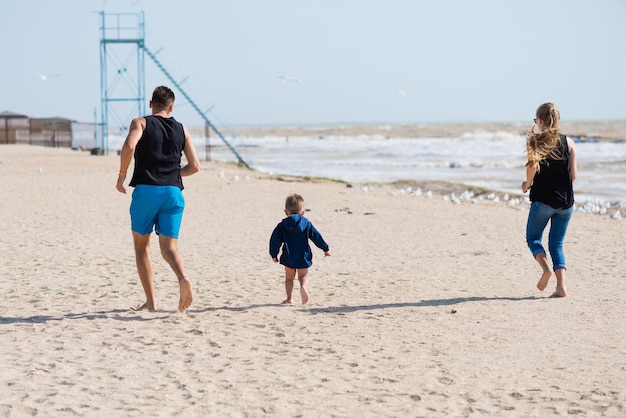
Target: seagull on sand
46	77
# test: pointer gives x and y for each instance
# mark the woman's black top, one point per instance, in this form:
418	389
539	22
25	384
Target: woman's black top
552	185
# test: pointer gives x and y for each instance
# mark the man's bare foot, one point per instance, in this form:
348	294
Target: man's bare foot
304	294
543	281
186	296
559	293
286	302
142	307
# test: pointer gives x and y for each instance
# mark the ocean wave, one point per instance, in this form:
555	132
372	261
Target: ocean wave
492	158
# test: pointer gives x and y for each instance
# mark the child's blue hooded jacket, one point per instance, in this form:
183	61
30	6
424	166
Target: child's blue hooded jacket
293	233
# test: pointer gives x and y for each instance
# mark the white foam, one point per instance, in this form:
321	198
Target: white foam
490	160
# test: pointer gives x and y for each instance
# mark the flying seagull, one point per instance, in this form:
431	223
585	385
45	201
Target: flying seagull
288	79
45	77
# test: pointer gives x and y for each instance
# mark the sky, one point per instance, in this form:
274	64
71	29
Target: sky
288	62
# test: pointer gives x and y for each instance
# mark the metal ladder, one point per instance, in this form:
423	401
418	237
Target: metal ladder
179	87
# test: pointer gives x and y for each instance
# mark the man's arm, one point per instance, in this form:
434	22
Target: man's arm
135	132
193	163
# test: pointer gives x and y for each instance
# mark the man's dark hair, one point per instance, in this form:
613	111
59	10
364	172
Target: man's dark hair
163	97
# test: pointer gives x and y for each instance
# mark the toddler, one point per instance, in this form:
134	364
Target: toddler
293	234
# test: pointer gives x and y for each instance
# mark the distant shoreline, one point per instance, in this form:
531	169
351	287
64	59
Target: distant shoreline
592	130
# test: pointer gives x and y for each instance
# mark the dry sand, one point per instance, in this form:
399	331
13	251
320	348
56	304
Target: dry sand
424	309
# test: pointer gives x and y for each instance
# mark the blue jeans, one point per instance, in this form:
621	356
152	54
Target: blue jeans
538	218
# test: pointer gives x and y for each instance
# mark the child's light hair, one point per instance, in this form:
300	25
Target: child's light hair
294	204
543	145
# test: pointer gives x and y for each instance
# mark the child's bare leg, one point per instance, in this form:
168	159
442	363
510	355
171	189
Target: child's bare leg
303	278
290	275
560	291
545	276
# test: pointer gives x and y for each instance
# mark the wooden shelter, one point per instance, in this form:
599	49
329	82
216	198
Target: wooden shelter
13	127
20	129
51	132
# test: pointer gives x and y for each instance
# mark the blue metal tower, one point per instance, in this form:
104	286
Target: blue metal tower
121	88
122	80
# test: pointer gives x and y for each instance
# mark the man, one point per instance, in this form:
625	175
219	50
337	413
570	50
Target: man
157	142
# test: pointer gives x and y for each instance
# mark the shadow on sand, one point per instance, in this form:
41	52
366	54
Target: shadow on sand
122	314
347	308
116	314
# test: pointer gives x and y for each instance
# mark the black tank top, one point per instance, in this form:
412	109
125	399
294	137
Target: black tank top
552	185
158	153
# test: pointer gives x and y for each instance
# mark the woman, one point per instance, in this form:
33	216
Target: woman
550	172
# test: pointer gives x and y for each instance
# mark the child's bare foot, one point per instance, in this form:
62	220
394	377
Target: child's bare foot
543	281
304	294
286	302
186	296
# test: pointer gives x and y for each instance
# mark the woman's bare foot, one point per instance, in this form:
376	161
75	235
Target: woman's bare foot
142	307
543	281
286	302
186	296
559	293
304	294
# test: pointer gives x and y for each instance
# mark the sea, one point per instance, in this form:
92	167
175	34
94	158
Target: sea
479	159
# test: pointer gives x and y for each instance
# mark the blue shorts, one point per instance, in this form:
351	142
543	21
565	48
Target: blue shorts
157	207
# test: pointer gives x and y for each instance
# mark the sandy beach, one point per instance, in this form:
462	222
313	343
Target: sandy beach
425	309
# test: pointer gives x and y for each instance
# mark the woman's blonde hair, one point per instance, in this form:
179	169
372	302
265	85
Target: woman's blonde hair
544	144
